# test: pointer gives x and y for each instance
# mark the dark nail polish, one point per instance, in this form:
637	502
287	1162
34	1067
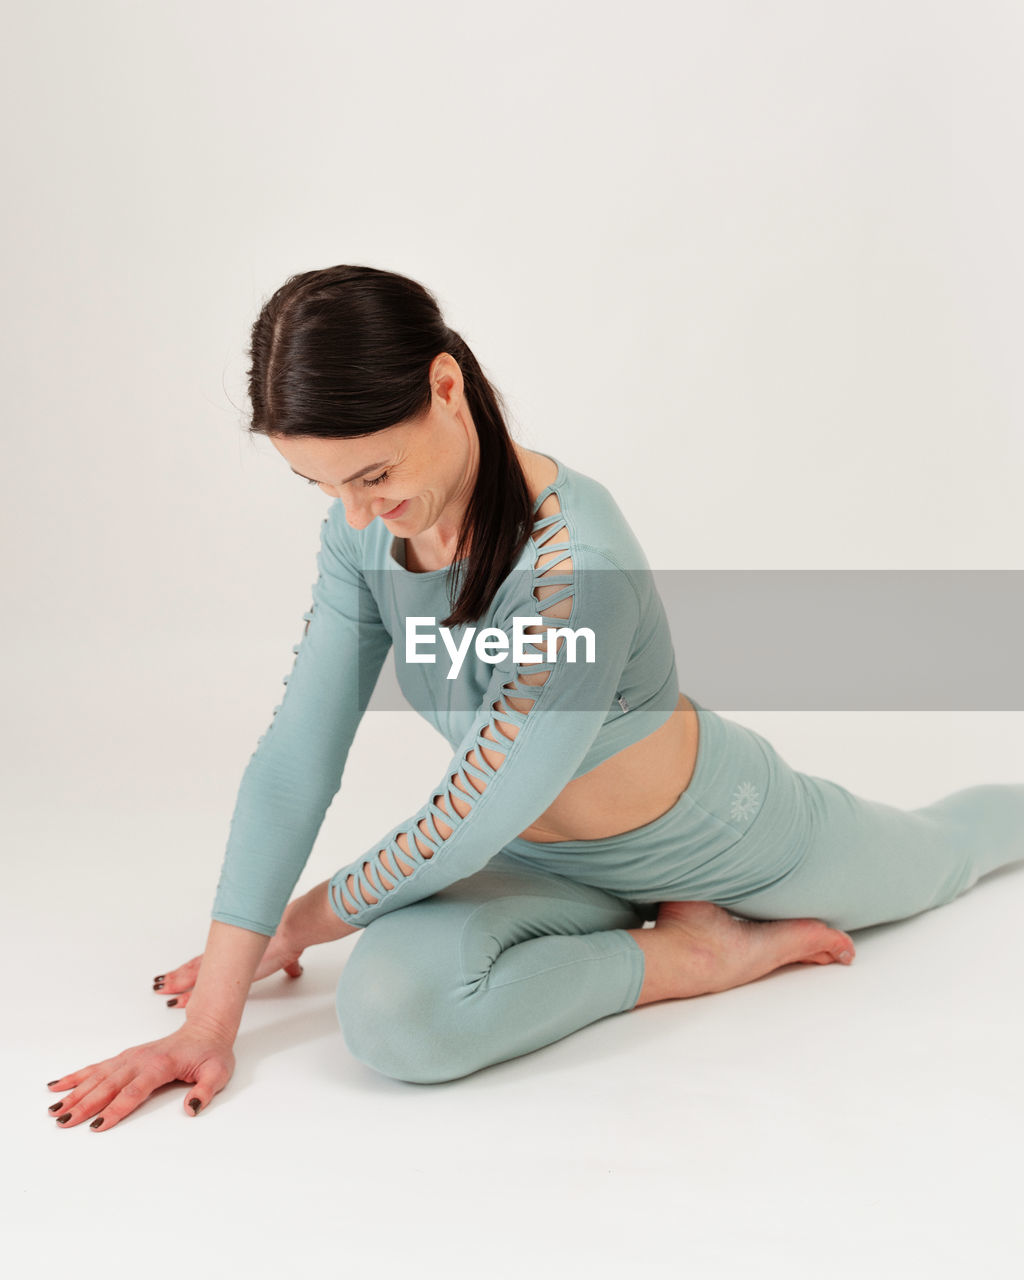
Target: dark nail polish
56	1106
64	1118
160	977
158	986
96	1123
195	1104
172	1003
51	1084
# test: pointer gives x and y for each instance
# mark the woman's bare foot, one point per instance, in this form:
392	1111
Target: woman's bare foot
697	947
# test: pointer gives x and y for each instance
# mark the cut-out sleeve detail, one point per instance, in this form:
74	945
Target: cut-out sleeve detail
296	768
535	726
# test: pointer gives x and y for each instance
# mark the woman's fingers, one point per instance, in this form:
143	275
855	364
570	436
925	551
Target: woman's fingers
178	984
75	1078
106	1092
84	1082
180	991
63	1083
86	1101
109	1105
181	979
112	1095
212	1077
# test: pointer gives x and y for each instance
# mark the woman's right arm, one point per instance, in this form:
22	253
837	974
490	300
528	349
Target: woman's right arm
296	769
286	788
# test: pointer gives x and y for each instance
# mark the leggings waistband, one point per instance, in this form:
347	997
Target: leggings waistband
694	849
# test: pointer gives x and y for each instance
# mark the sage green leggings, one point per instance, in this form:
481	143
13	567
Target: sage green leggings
534	946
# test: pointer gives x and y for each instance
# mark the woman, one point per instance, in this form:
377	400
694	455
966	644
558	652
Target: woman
585	795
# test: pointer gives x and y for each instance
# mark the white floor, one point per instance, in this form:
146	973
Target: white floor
823	1122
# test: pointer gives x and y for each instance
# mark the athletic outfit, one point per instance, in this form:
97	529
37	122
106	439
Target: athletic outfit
481	946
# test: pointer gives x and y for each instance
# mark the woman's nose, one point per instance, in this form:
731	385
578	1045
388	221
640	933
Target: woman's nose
357	517
358	512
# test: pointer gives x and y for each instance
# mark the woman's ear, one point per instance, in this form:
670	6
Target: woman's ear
446	381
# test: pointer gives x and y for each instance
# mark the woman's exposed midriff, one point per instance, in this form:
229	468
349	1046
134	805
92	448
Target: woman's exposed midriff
631	788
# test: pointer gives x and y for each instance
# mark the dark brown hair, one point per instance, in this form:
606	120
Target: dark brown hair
346	351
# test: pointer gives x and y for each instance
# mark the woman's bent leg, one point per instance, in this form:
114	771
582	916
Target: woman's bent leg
697	948
503	962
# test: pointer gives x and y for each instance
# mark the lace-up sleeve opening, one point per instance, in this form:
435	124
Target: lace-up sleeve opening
552	589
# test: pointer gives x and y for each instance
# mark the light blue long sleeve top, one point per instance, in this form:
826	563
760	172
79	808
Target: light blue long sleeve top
578	713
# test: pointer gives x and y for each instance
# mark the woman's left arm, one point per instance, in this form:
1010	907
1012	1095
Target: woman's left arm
310	919
536	723
307	920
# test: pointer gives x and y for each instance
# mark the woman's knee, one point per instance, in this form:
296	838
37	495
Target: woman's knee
397	1005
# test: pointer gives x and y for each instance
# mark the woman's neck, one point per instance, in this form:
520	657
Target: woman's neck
428	552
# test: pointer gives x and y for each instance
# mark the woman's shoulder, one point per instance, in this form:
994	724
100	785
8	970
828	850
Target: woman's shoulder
593	516
579	533
540	470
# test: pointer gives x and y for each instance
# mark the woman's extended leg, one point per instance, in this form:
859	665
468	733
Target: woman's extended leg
512	958
863	862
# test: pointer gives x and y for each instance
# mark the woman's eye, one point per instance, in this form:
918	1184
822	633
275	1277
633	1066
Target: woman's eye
377	480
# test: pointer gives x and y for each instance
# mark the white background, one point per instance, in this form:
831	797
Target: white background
756	267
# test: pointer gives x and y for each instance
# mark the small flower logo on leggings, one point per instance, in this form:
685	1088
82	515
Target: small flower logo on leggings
745	801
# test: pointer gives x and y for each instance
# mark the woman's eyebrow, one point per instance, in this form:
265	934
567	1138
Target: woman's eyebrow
372	467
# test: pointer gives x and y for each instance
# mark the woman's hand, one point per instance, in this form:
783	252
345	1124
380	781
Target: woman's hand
112	1089
280	954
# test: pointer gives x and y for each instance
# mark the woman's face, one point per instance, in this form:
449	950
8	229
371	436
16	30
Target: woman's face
412	475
